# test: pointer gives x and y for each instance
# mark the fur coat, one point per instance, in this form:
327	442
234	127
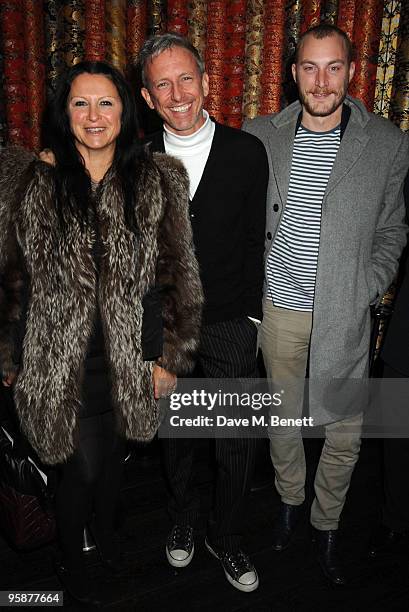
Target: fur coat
49	280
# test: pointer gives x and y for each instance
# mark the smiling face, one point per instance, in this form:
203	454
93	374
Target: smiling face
94	110
322	74
176	90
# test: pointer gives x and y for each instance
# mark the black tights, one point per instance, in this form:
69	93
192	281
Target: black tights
90	483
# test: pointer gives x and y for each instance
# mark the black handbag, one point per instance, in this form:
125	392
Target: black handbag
26	506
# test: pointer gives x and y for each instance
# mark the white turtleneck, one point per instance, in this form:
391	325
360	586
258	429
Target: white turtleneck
192	150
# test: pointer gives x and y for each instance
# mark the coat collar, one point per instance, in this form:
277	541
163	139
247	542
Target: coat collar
291	112
281	139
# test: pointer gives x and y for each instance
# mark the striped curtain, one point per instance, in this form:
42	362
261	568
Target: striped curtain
247	46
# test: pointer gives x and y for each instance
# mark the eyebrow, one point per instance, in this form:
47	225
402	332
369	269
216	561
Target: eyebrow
100	97
336	61
182	74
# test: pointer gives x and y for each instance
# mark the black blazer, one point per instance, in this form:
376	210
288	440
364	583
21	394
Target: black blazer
228	219
396	347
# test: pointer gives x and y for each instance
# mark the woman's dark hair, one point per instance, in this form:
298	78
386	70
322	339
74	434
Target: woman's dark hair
73	183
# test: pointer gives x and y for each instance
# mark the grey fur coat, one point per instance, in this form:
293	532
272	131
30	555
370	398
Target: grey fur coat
54	273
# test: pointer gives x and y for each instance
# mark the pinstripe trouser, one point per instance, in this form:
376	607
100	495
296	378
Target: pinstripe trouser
227	350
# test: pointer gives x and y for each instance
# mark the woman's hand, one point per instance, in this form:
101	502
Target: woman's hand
47	156
164	382
8	380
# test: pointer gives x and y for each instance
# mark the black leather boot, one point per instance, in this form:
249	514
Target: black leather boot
109	550
77	585
285	524
326	549
387	541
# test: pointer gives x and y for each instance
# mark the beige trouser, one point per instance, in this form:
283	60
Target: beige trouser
284	340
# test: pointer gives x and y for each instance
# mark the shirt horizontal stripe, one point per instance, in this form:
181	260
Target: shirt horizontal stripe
292	262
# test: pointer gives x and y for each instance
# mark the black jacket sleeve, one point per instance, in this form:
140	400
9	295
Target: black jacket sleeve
256	223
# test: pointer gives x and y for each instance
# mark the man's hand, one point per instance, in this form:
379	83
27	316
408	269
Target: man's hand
164	382
47	156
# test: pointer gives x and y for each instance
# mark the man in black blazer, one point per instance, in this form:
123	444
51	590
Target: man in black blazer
228	173
393	533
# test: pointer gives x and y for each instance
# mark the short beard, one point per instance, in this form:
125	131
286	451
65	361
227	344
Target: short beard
324	113
315	112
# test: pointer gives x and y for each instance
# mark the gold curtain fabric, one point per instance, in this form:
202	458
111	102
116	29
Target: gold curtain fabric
74	31
253	58
197	24
116	32
54	37
156	17
399	107
329	11
387	57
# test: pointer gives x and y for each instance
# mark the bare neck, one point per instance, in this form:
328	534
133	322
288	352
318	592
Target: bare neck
97	162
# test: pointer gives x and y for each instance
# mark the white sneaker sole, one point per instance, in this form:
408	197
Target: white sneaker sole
179	563
245	588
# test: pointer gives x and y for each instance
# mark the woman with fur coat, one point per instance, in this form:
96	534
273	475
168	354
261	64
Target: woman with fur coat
98	279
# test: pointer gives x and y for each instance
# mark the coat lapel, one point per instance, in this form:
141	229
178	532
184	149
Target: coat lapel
281	143
352	146
156	142
208	169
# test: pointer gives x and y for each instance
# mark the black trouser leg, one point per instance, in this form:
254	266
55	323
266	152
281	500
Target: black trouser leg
184	501
235	461
227	350
109	483
88	477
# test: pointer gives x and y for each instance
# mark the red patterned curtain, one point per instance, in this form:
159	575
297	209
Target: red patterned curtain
95	40
247	46
367	32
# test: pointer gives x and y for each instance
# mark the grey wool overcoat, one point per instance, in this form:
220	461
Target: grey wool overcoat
362	235
49	277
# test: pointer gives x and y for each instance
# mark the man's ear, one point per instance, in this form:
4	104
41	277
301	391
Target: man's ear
147	97
294	71
351	70
205	84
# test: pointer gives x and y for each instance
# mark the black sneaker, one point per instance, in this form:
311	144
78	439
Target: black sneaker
180	546
239	570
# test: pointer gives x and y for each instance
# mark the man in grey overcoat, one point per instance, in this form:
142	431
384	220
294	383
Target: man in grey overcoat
335	230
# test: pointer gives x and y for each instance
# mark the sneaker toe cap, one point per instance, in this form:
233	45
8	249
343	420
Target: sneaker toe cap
179	554
248	578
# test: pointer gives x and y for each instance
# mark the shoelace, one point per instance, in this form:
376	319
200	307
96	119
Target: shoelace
239	562
182	535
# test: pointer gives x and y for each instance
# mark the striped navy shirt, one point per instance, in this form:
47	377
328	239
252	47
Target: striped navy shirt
292	261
